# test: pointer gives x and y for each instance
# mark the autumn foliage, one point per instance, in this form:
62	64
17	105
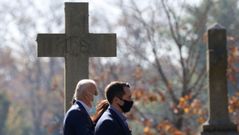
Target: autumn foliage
159	51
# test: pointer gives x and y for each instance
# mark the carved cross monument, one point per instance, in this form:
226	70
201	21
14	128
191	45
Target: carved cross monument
219	122
76	45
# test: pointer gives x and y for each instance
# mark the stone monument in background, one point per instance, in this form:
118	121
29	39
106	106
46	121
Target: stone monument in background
219	122
76	45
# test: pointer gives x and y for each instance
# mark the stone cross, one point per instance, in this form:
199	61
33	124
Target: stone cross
219	122
76	45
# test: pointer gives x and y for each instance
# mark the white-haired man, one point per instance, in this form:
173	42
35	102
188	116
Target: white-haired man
77	120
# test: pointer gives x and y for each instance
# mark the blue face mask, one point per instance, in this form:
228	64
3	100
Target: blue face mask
92	110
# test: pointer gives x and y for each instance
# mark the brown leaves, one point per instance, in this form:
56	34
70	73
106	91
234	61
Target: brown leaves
165	127
147	131
233	59
193	107
201	120
190	108
183	102
147	127
234	103
148	96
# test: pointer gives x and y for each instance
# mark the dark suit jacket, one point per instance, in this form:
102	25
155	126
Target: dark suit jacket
77	121
111	124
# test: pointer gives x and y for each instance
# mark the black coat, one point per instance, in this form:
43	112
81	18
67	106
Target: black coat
77	121
111	124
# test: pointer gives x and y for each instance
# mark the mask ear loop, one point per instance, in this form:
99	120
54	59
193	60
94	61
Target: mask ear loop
121	100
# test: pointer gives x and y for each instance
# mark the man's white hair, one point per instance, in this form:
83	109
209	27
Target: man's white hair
82	87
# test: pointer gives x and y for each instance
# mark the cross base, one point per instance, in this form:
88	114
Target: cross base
222	129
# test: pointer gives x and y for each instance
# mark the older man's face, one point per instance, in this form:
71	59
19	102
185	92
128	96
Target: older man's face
90	93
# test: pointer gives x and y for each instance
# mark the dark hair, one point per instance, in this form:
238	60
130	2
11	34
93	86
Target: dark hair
115	89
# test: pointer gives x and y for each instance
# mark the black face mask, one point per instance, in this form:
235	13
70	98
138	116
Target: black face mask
126	106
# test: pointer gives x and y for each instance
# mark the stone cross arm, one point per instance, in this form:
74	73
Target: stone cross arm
51	45
55	45
102	45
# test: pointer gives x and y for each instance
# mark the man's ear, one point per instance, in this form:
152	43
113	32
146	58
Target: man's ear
117	100
114	100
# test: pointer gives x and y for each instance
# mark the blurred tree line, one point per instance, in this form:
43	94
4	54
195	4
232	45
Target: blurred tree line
161	52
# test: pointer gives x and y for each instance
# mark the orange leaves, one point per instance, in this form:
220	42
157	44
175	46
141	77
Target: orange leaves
233	107
147	127
234	103
163	128
147	96
196	108
147	131
152	97
183	102
232	75
233	55
234	51
166	127
138	94
147	123
190	107
233	59
201	120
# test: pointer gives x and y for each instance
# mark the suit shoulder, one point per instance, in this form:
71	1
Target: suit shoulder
107	115
104	124
73	112
105	119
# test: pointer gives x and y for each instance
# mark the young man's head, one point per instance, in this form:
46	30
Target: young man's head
118	95
85	91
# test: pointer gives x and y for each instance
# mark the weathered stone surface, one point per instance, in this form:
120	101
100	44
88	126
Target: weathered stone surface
219	122
76	46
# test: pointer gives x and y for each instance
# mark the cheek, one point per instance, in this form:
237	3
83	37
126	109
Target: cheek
89	97
92	98
121	102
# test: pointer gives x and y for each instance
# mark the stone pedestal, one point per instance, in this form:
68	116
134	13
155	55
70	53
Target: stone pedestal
219	122
219	129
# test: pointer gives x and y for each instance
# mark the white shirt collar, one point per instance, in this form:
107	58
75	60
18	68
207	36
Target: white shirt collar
87	108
